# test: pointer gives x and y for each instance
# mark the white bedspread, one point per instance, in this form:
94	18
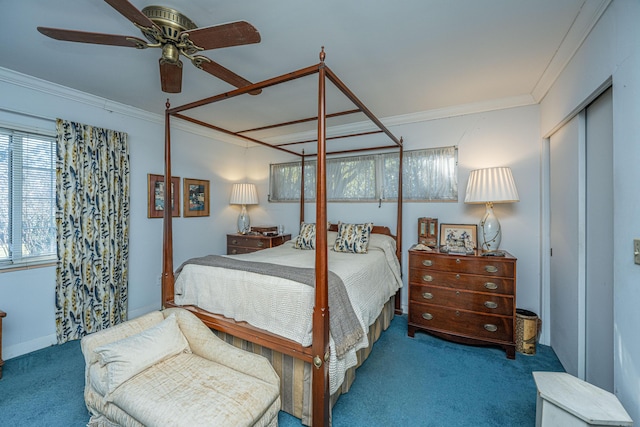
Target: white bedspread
285	307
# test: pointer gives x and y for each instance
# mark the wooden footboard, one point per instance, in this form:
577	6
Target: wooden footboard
295	374
245	331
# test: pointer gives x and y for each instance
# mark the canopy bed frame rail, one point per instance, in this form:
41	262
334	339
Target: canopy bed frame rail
318	353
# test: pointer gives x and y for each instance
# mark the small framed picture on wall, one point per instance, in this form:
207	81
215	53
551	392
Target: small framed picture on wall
196	197
155	196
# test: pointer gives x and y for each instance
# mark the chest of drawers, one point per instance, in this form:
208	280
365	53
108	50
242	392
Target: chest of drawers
469	299
246	243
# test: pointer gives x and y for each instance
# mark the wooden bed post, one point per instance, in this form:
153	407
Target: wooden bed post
302	189
398	306
167	237
320	346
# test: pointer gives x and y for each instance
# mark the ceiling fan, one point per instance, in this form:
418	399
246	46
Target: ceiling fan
176	35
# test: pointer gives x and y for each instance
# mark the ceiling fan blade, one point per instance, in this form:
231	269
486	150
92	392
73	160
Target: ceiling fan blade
225	74
130	12
224	35
95	38
171	76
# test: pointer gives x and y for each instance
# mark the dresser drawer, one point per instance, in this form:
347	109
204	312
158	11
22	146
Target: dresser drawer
471	301
460	322
491	266
498	285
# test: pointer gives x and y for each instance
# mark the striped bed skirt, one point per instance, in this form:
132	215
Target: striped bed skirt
295	375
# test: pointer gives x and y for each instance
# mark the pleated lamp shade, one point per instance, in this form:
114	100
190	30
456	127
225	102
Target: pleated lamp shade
244	194
489	186
494	185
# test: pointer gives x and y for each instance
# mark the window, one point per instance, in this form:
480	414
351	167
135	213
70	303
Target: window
27	198
428	175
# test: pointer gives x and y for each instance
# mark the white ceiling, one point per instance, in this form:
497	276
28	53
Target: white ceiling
402	57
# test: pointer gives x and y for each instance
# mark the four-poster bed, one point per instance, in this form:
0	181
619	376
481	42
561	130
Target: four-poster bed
315	357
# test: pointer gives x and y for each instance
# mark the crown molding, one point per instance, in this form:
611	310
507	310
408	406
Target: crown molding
588	16
45	87
48	88
405	119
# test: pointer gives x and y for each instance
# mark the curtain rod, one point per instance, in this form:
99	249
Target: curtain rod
25	114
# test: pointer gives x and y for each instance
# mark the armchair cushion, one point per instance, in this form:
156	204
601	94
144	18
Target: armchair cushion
207	383
129	356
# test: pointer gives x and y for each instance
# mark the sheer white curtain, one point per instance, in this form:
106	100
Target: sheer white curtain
351	178
428	175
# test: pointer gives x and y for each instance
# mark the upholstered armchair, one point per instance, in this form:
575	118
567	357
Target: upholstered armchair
167	368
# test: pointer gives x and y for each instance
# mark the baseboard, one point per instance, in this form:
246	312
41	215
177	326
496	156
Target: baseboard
11	351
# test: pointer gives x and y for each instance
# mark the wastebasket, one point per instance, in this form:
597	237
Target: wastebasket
527	327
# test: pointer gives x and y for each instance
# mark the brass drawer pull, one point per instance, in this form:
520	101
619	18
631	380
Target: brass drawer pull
490	285
427	295
234	242
427	316
490	327
457	277
427	278
234	251
458	261
490	304
427	262
491	268
260	244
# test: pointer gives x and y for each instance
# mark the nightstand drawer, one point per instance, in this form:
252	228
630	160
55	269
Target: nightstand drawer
247	242
460	322
471	301
498	285
490	266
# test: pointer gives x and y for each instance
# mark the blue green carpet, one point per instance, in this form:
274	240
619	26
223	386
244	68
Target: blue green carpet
421	381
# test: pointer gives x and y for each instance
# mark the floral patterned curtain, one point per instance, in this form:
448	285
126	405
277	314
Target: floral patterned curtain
93	229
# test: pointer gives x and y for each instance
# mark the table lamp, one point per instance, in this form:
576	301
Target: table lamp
243	194
489	186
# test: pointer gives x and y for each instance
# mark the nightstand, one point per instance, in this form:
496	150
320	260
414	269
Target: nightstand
464	298
246	243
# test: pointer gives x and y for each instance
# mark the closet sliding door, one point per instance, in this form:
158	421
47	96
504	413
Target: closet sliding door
581	267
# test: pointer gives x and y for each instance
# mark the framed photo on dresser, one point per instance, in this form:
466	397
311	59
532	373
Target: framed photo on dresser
428	232
458	238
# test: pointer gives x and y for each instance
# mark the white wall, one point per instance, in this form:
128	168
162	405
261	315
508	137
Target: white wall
612	52
28	296
499	138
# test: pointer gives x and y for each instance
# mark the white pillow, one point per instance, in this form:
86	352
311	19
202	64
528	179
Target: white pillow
132	355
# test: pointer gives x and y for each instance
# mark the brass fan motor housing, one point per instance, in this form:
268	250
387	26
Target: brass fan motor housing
169	20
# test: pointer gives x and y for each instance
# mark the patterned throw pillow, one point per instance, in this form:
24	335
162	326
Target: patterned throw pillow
353	238
307	237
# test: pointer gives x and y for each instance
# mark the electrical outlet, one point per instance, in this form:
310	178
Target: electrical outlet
636	251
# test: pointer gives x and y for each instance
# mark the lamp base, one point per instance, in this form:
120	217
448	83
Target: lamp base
244	223
490	234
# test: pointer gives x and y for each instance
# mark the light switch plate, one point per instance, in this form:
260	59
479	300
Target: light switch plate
636	251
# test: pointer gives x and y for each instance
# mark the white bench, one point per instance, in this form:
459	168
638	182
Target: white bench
566	401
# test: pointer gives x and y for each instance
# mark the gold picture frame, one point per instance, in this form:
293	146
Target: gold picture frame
196	197
155	196
458	238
